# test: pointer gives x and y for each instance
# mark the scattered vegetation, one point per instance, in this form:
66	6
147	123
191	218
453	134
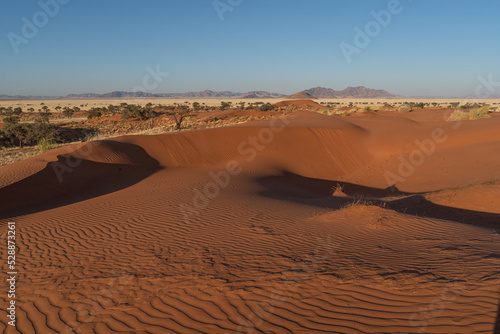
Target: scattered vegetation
94	113
266	107
17	133
68	112
41	131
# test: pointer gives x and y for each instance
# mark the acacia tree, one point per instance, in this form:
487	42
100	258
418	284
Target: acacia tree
225	105
179	114
14	129
68	112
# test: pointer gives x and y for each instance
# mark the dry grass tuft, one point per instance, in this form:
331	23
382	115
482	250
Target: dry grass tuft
478	113
11	155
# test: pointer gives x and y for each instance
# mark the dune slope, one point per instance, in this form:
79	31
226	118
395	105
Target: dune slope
288	226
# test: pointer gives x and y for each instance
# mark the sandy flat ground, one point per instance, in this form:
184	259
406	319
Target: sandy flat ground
378	223
89	103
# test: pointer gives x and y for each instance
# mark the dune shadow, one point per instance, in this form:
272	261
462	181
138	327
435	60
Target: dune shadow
321	193
71	179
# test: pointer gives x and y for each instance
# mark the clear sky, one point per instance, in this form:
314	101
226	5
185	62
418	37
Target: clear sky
428	47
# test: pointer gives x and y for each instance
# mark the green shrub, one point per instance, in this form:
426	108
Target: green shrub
94	113
142	113
266	107
68	112
225	105
14	130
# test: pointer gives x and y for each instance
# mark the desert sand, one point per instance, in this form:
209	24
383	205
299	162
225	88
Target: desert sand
378	223
89	103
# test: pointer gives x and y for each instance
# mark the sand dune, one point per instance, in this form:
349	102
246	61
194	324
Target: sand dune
302	224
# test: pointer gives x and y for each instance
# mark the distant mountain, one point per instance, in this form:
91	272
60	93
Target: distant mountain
76	96
313	93
27	97
206	94
349	92
302	96
261	95
115	94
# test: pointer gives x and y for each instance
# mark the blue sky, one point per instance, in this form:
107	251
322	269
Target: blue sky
428	48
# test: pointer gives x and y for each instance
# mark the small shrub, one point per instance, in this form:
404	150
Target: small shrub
68	112
94	113
266	107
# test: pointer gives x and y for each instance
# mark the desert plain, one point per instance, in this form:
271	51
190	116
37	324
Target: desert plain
300	219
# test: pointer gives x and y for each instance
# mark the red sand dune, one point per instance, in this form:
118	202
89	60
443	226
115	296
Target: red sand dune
299	103
288	226
301	95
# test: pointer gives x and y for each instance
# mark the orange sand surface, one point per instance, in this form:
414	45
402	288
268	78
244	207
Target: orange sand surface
379	223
